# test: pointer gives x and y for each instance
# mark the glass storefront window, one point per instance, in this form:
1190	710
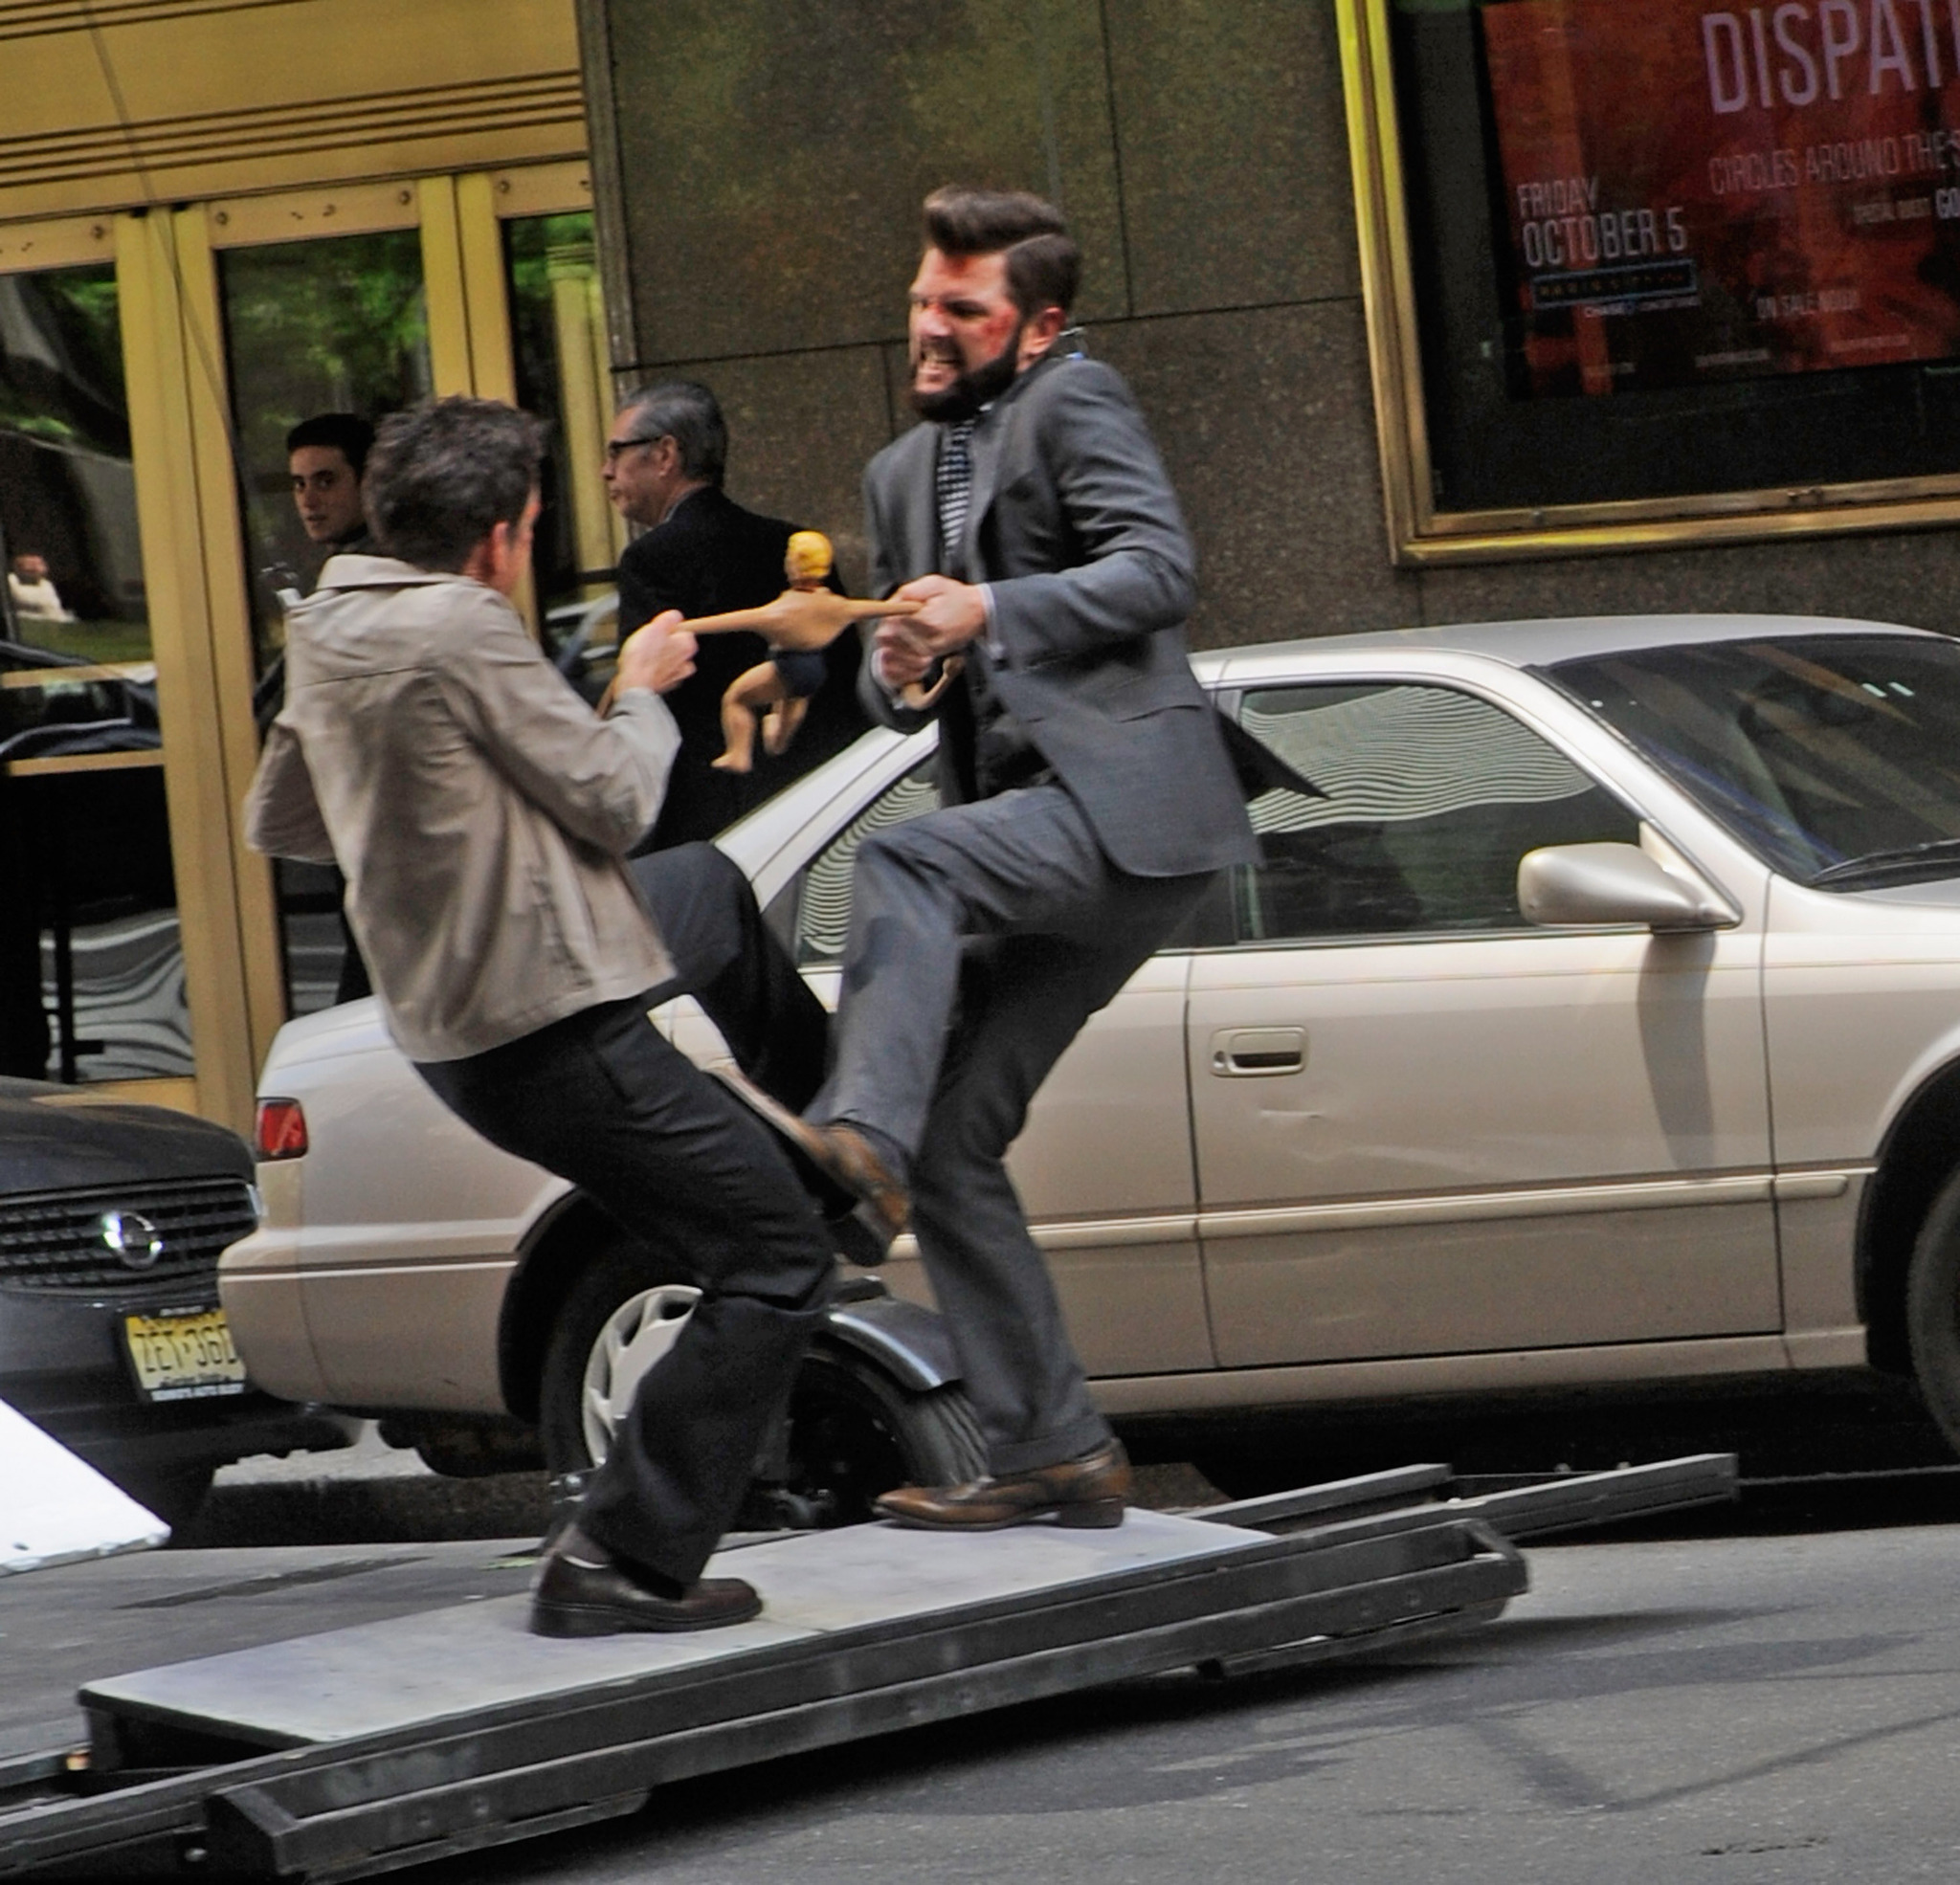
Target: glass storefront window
67	492
91	962
1650	264
335	324
558	329
338	325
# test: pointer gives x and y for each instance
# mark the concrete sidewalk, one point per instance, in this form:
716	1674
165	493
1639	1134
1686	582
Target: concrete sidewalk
370	1493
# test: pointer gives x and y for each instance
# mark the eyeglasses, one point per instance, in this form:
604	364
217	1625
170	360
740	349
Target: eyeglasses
617	448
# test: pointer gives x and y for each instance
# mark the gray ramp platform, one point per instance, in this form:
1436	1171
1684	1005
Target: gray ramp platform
428	1669
420	1738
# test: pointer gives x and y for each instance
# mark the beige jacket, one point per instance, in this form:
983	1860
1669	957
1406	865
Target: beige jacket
478	808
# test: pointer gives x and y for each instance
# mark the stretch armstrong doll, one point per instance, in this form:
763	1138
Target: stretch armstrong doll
798	624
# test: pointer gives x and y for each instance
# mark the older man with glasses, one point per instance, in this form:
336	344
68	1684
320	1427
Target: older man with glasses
703	554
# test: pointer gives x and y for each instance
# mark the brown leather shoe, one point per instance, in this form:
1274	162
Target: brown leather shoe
843	1154
840	1153
1089	1492
574	1597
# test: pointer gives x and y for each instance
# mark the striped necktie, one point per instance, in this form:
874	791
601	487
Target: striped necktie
954	487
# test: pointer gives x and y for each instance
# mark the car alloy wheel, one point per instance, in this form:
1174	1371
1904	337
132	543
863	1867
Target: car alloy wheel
631	1340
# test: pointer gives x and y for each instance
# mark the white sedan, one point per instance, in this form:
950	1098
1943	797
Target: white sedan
1596	1023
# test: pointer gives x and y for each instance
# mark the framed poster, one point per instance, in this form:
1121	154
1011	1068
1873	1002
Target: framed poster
1660	273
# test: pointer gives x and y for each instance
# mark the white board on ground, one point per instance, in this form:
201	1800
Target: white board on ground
56	1508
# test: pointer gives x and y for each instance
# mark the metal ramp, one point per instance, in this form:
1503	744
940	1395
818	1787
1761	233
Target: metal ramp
363	1750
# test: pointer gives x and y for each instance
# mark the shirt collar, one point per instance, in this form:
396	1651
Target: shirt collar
361	569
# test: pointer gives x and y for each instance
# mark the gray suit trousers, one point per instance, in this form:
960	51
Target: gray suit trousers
982	936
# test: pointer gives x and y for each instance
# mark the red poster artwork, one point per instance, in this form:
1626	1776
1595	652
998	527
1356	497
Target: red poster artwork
1698	194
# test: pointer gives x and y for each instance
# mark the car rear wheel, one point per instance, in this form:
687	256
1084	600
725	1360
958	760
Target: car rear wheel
856	1433
855	1430
1932	1311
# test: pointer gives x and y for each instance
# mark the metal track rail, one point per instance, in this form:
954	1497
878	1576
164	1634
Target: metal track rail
1548	1504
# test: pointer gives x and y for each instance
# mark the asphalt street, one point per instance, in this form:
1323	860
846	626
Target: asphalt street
1739	1709
1769	1693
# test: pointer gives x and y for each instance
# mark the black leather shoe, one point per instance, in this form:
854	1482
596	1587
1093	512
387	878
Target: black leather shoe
1089	1492
574	1596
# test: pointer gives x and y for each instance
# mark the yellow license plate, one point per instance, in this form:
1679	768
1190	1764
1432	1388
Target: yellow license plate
183	1358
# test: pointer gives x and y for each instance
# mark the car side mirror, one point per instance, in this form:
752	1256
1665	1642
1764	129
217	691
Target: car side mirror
1583	885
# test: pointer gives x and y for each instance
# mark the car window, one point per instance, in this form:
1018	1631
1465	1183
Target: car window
811	914
1833	757
1432	797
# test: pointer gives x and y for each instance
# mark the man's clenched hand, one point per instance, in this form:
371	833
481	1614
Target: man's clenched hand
950	615
661	655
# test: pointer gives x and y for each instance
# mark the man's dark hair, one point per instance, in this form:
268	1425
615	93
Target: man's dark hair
688	414
444	472
1044	267
346	432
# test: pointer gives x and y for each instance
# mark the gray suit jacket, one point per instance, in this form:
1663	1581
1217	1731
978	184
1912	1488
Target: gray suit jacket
1074	523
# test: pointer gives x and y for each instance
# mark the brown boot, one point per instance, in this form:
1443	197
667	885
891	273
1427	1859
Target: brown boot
1089	1492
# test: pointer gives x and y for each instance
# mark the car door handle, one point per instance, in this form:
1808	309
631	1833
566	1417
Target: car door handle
1252	1053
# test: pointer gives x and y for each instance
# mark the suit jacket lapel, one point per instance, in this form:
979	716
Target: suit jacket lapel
992	438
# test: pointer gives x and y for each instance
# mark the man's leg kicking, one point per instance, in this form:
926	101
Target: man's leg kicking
1022	1001
1026	862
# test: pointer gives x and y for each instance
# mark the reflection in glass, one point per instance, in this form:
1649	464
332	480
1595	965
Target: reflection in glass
811	914
1835	758
97	846
558	331
67	492
1428	800
91	966
335	325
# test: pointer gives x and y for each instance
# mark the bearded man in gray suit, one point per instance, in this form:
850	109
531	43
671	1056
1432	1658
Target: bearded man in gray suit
1087	802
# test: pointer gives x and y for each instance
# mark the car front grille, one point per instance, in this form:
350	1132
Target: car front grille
56	1241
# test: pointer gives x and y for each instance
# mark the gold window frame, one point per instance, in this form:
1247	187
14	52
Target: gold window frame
1419	532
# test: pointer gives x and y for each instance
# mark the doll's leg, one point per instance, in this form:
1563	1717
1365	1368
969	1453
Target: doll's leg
749	694
800	672
780	723
918	698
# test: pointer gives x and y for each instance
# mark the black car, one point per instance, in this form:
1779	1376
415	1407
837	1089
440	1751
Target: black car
112	1216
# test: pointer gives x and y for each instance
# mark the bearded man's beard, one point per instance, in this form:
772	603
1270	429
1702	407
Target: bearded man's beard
975	388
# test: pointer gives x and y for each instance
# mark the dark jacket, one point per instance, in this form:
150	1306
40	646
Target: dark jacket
711	556
1075	524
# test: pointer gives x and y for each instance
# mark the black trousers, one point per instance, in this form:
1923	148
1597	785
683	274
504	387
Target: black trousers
726	958
602	1100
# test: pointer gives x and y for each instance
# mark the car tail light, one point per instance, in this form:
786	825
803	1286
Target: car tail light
282	1129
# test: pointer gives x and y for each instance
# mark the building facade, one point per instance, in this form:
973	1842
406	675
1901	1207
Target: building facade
1442	310
217	219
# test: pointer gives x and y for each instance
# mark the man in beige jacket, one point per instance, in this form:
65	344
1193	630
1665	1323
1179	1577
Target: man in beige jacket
480	813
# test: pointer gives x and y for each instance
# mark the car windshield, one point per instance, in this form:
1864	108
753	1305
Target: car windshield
1835	757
